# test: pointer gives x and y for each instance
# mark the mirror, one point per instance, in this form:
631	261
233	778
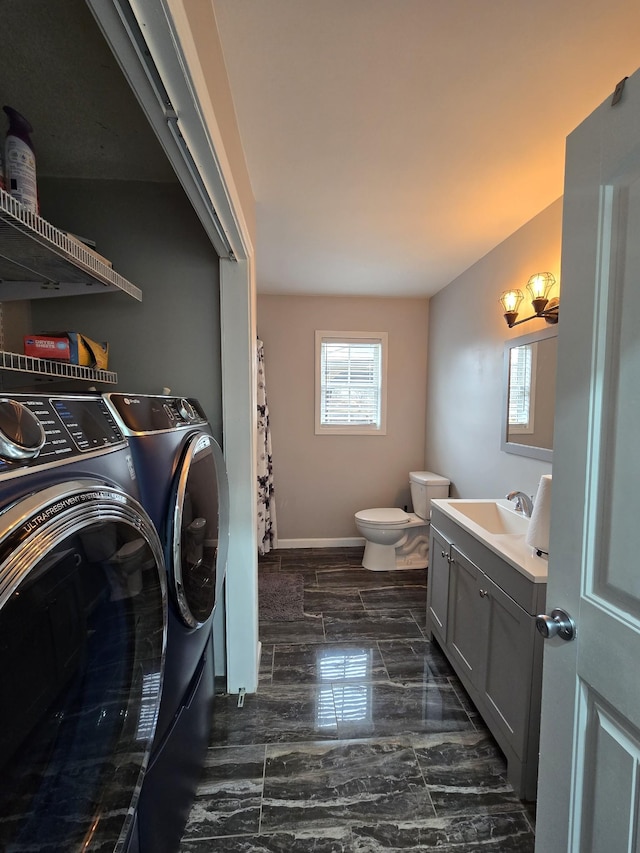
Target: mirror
530	363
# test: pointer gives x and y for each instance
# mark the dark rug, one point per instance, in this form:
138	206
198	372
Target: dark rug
280	597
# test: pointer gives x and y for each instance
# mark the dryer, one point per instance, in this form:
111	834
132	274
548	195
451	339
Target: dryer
183	486
83	619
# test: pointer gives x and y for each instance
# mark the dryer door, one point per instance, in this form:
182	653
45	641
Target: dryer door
82	637
199	529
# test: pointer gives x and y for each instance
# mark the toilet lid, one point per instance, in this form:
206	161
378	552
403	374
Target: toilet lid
385	515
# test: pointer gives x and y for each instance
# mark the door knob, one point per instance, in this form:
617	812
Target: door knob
559	624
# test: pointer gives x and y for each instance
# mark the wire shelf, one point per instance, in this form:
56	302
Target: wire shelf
56	369
38	260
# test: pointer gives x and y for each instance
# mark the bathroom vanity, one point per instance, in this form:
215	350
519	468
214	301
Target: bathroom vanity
485	588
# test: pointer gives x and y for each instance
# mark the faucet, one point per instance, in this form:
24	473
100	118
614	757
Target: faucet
524	504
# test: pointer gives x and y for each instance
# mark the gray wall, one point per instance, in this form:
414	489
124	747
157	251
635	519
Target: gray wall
467	334
152	236
322	480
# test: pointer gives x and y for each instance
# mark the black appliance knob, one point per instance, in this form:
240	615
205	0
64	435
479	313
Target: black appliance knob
22	436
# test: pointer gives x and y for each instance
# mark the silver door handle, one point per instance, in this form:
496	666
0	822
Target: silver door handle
559	624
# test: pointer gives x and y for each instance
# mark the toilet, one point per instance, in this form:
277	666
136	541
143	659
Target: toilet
395	539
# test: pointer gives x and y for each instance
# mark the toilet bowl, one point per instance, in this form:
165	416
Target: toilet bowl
395	539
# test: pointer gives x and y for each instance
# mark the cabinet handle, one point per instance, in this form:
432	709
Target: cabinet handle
484	593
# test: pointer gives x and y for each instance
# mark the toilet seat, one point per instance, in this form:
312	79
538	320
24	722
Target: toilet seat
384	516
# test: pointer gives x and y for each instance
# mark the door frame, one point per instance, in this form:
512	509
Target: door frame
164	50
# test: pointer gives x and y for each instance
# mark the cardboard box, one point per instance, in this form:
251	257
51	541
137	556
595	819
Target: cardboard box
87	352
68	346
48	346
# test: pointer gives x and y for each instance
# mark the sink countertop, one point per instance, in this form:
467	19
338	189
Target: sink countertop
511	547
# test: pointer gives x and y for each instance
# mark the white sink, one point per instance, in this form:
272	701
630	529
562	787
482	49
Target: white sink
500	528
493	516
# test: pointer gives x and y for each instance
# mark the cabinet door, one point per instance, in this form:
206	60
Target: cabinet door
468	616
507	676
438	585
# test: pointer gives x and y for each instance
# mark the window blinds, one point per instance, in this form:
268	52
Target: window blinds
520	374
351	382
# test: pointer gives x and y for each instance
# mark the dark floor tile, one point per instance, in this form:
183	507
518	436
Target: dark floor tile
414	660
275	714
392	624
272	559
420	615
309	574
367	579
501	833
466	774
327	662
229	797
334	840
390	597
381	709
318	600
354	554
314	558
350	702
318	786
466	702
268	568
319	553
299	564
308	630
348	576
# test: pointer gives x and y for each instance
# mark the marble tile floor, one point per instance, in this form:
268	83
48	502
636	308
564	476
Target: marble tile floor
360	738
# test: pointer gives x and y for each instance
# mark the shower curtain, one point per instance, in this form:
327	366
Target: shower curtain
267	535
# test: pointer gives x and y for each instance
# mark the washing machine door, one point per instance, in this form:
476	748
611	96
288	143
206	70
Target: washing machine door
198	529
82	638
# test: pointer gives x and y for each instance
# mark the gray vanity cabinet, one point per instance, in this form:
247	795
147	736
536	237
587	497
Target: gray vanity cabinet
440	551
489	637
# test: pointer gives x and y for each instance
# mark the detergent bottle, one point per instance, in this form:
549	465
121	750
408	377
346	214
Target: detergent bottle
20	161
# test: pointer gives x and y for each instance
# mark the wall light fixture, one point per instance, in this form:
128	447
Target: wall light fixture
539	287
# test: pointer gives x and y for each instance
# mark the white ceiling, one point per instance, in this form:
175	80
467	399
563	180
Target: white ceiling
392	143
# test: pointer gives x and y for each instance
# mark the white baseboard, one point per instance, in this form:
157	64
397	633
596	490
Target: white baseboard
348	542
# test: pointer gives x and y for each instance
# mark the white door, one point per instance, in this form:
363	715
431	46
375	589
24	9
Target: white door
589	781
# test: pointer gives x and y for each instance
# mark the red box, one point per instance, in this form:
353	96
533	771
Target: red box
47	346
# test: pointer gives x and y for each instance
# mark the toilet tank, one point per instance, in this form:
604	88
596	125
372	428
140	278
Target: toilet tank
425	487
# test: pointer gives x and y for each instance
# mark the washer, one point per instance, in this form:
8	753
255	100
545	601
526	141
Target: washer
183	486
83	625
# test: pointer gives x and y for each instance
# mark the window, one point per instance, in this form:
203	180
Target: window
351	376
521	388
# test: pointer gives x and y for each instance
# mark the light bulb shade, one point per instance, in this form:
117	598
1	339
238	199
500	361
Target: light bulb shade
540	284
511	300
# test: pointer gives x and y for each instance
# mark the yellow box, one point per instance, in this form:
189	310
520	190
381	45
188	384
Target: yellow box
84	351
89	353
